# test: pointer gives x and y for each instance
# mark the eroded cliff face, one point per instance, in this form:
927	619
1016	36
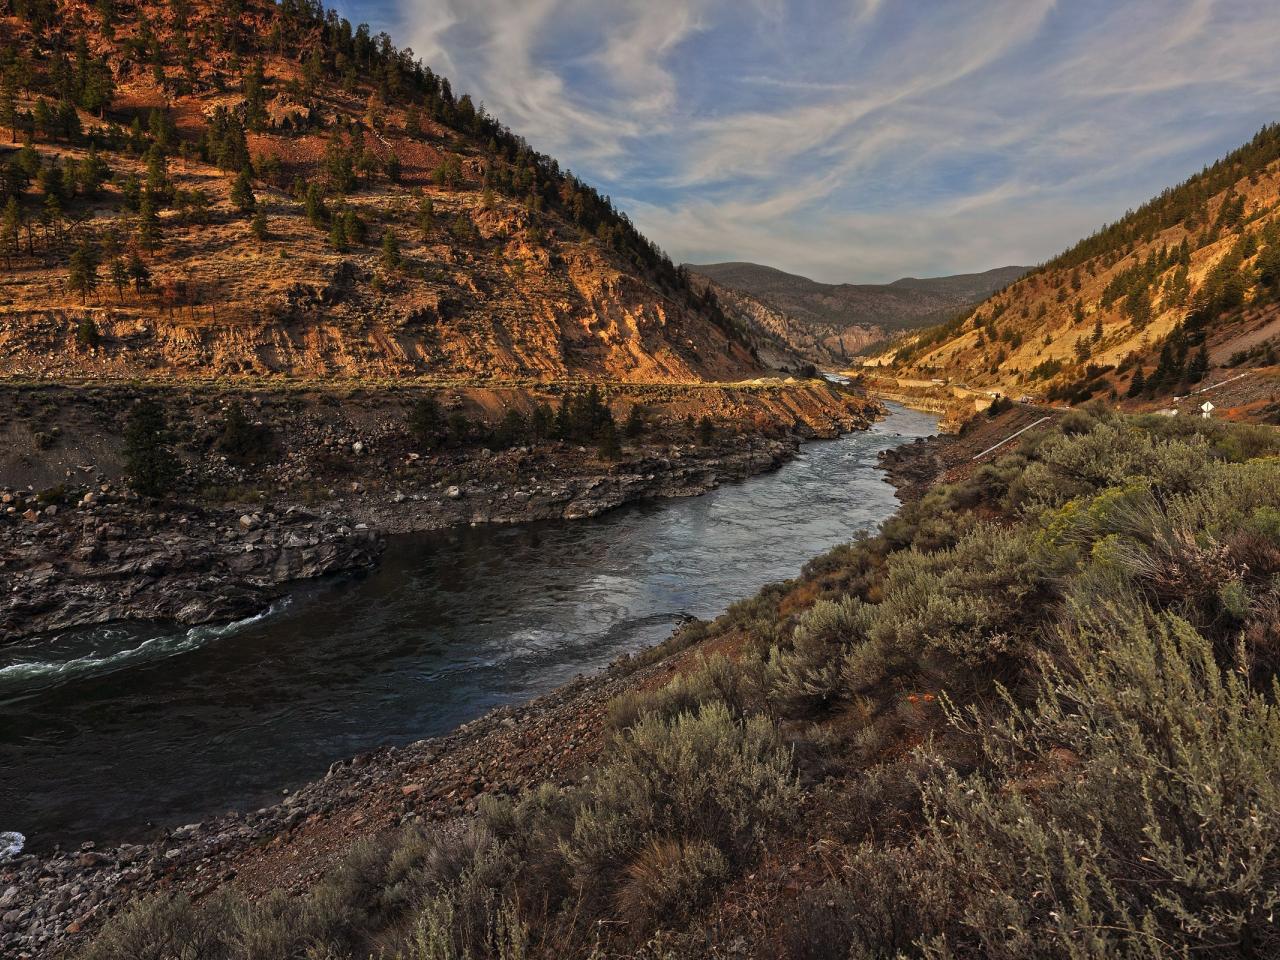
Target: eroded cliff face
489	307
785	340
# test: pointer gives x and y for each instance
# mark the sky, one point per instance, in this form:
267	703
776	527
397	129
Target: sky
864	140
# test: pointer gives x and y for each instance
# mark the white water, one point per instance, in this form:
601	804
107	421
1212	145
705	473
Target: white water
100	662
11	844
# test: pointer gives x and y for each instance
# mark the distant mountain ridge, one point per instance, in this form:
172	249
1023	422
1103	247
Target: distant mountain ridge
828	323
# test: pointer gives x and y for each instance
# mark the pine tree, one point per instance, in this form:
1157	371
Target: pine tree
511	430
543	422
354	227
1198	366
412	122
83	277
1137	307
139	273
634	428
426	217
1137	384
338	234
9	104
51	216
148	221
706	430
87	332
316	211
43	118
119	277
242	197
258	226
1097	330
426	422
390	249
10	227
149	461
608	445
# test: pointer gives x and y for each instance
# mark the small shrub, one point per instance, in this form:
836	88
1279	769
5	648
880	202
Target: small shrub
667	881
805	679
700	777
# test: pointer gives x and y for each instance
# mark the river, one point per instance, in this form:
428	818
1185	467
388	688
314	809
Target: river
107	733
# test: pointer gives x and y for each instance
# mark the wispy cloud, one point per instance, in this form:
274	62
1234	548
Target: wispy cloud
859	139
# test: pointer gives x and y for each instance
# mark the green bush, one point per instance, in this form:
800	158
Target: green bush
715	679
980	603
1142	823
701	777
804	679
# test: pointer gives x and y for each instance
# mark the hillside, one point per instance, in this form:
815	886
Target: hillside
826	323
252	189
1179	295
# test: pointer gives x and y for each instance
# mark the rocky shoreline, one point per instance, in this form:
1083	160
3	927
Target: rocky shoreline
330	474
48	901
109	556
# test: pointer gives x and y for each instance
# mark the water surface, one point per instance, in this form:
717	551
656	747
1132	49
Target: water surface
105	731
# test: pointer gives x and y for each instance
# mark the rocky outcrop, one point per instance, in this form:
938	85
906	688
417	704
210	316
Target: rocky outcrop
678	471
111	558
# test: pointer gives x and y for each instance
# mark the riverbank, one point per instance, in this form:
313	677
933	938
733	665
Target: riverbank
108	556
950	457
330	475
289	844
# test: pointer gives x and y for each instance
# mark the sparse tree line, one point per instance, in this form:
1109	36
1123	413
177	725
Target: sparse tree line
1187	203
582	417
1249	272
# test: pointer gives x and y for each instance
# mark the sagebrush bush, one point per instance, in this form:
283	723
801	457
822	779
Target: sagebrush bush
803	679
980	603
1124	813
710	679
667	881
698	777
